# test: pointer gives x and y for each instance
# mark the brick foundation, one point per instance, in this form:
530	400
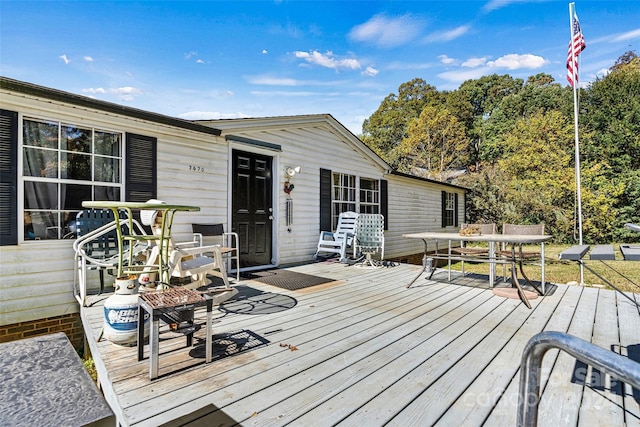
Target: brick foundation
70	324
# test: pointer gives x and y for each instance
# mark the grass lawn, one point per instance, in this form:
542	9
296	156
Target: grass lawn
557	271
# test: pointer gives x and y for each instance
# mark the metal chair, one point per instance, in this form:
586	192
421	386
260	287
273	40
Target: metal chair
337	242
473	250
96	247
520	256
369	239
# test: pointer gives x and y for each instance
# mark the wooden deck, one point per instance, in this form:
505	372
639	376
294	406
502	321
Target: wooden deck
365	351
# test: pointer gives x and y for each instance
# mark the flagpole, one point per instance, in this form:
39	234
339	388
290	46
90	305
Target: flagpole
574	72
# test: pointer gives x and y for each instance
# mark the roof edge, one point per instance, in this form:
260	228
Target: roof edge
433	181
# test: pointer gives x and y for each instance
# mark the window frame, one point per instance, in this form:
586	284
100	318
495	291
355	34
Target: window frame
58	230
356	204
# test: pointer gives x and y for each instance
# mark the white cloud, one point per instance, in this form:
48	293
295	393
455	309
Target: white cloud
211	115
515	61
328	60
602	73
446	60
459	76
629	35
88	58
370	71
281	81
498	4
190	55
387	31
474	62
264	51
65	59
445	36
92	90
200	61
125	93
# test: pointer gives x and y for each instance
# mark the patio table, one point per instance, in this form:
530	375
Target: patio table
510	239
168	212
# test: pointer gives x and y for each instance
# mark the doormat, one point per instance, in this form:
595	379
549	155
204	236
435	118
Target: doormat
287	279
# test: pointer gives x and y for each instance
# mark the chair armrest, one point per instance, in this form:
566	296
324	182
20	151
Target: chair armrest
325	234
197	237
230	239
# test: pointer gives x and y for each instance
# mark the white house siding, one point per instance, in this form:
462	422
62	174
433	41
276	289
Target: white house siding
36	277
312	147
416	206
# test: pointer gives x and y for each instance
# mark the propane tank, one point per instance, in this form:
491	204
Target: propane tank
121	313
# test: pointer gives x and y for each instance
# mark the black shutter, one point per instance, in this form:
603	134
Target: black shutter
8	178
325	200
455	211
384	202
141	172
444	209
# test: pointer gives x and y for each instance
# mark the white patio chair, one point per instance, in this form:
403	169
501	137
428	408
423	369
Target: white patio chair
337	242
186	260
369	239
206	234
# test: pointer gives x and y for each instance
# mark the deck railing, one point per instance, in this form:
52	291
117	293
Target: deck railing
620	367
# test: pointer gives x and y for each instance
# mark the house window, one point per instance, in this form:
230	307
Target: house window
351	193
449	210
62	166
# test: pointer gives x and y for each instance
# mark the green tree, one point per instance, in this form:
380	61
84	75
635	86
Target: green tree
435	144
387	126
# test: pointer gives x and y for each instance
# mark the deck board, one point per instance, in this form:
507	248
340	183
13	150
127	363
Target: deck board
370	352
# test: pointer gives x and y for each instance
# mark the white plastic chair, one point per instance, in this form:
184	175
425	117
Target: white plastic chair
369	239
337	242
227	240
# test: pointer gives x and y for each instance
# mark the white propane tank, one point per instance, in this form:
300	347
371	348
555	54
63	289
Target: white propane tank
121	313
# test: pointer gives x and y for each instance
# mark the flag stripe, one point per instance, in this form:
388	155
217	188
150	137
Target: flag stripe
576	45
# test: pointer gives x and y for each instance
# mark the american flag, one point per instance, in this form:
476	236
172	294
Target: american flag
576	45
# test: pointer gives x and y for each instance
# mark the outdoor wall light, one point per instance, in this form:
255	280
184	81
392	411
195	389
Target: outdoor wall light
291	171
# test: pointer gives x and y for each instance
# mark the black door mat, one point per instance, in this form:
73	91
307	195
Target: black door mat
287	279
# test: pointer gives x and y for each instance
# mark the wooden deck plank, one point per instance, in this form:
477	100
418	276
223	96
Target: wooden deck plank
369	351
348	368
321	345
440	354
506	409
629	326
602	396
562	395
476	402
281	323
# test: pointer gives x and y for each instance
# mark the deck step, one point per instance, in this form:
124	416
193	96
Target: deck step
574	253
630	252
603	252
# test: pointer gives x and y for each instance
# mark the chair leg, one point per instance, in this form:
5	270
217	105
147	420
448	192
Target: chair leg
101	272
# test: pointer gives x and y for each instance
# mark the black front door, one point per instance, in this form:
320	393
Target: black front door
252	207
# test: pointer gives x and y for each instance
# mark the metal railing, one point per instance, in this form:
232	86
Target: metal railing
620	367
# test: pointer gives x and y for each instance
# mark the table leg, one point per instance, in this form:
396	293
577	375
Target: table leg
514	278
154	346
208	338
425	262
141	312
492	264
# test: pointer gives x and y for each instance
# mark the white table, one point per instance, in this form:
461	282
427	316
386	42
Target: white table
509	239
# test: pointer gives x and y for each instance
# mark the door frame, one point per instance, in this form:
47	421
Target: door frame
275	179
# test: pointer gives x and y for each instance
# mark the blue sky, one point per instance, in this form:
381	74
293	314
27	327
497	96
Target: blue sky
230	59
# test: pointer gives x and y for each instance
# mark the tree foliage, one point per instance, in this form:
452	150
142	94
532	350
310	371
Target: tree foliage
514	142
